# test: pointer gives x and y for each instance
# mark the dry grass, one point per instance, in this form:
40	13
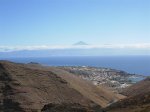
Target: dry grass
25	88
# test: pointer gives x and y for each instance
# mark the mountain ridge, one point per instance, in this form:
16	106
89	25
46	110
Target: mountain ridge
114	79
137	100
32	87
81	43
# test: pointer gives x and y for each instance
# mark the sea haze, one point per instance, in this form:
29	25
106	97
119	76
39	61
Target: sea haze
132	64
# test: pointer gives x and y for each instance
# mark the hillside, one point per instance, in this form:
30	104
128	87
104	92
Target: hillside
138	99
29	88
138	88
98	94
115	80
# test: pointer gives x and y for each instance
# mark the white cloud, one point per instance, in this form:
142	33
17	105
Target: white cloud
44	47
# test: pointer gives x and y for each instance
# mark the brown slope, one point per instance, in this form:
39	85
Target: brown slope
97	94
138	88
138	99
24	89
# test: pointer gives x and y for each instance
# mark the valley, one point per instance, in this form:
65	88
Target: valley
35	88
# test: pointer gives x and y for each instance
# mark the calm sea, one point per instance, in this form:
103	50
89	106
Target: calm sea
131	64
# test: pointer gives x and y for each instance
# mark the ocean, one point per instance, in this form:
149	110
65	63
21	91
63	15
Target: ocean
131	64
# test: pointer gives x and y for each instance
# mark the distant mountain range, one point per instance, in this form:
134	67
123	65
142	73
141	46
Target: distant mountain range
80	43
78	49
72	52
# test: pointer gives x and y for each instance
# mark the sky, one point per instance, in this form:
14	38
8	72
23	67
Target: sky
65	22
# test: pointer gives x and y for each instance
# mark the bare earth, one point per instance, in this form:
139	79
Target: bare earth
29	88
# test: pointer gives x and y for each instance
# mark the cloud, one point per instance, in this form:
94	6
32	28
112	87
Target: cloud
144	46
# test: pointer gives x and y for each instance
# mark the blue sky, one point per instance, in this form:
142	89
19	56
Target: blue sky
63	22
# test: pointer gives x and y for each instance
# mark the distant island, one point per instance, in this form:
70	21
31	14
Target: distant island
81	43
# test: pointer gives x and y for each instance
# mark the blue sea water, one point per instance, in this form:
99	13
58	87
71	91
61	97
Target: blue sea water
131	64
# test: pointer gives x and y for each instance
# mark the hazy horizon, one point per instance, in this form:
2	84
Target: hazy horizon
58	24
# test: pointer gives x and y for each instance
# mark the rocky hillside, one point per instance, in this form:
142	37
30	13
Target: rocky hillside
139	88
138	99
34	88
115	80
